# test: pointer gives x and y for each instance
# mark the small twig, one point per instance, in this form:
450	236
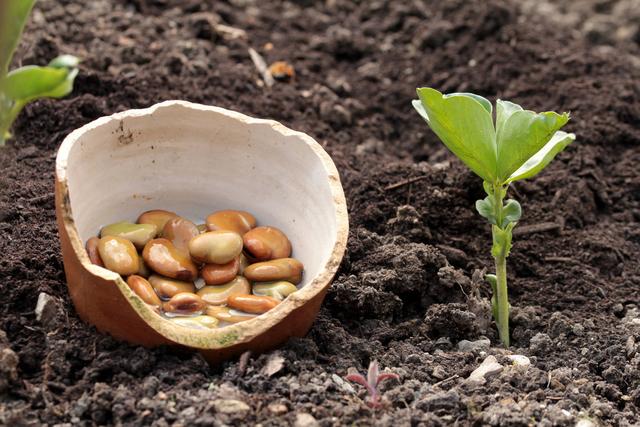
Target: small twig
244	361
405	182
537	228
446	380
261	65
561	259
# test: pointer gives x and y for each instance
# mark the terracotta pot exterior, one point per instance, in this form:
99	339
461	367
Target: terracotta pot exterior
103	299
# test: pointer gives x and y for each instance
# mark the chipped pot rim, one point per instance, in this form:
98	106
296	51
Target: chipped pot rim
231	334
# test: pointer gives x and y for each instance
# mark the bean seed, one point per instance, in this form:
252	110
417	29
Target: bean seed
228	315
289	269
138	234
217	274
143	269
244	263
197	322
92	251
167	288
252	303
216	247
278	290
218	295
236	221
157	217
180	231
144	290
165	259
185	303
265	243
118	255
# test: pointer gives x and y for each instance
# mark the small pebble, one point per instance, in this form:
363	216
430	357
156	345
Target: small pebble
470	346
488	368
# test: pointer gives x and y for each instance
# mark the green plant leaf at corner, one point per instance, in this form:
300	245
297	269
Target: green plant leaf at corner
420	109
32	82
465	126
522	135
13	16
542	158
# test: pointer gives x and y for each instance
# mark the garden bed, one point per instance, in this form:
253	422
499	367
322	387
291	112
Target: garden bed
408	290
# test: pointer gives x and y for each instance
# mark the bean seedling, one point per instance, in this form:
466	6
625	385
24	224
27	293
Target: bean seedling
518	146
371	382
28	83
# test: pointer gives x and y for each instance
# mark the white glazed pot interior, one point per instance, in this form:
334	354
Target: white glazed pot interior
194	160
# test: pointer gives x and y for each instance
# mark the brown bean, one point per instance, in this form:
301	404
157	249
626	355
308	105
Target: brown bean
237	221
216	247
143	269
252	303
218	295
279	289
180	231
185	303
157	217
92	251
289	269
143	289
138	234
217	274
165	259
167	288
265	243
227	315
118	255
197	322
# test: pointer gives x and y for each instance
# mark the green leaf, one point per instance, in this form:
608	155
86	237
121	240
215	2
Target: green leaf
504	110
32	82
486	210
465	126
542	158
417	104
64	61
522	135
13	16
511	212
483	101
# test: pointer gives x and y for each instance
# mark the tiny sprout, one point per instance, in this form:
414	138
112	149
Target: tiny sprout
371	382
518	145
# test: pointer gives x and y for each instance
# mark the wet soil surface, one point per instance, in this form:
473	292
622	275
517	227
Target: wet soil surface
409	289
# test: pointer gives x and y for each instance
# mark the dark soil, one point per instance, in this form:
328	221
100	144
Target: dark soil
408	290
